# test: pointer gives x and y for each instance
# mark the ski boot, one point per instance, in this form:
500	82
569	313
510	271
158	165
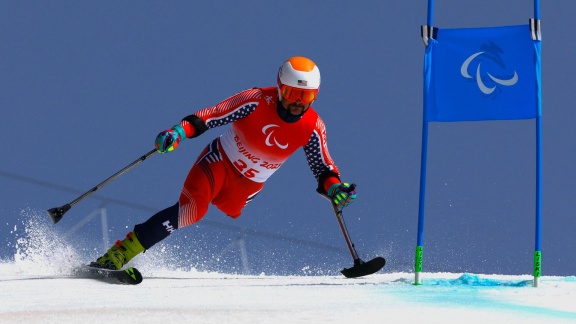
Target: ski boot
120	253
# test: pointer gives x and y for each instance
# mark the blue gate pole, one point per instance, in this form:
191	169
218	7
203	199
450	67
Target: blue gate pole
538	240
423	162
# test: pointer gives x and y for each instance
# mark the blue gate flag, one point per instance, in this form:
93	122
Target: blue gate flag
473	74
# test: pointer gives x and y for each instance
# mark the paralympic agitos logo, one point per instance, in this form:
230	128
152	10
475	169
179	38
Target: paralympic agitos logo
491	71
270	138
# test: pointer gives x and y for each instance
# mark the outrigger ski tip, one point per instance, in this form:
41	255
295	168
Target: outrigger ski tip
362	268
57	213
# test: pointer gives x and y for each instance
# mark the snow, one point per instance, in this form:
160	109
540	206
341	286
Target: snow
195	297
37	286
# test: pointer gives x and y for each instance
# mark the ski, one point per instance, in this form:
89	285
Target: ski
128	276
362	268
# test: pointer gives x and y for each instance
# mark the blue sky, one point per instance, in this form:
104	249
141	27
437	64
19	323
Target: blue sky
85	86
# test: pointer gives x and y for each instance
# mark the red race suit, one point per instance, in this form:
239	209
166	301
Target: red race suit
233	168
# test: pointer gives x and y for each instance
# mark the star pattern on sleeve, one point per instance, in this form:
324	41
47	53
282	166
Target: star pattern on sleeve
236	114
314	156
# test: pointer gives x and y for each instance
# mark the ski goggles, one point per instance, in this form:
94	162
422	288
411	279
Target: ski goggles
305	96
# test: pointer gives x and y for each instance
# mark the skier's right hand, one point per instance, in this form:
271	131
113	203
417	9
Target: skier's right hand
169	139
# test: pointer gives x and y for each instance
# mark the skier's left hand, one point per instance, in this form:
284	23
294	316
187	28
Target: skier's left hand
342	194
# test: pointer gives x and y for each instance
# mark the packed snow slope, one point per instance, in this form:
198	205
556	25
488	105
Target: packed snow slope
37	286
196	297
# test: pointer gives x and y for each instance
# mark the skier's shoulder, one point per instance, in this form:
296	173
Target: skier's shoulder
252	95
257	92
312	117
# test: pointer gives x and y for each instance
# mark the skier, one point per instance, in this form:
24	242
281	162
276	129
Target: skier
268	125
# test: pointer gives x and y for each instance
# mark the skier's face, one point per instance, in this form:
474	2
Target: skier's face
296	108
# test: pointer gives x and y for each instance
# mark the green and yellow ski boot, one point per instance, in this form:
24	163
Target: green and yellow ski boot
120	253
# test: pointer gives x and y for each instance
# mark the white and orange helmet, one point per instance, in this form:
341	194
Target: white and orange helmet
299	80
